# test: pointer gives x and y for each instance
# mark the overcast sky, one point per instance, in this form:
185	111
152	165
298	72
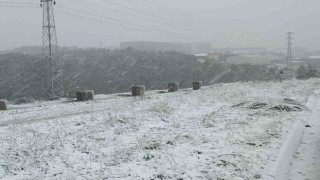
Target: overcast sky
226	23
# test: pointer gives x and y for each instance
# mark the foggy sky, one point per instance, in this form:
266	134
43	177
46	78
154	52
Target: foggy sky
226	23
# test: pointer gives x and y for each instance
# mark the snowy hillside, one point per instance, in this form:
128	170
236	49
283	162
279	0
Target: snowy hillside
226	131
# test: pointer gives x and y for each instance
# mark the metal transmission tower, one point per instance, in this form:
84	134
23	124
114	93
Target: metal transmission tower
289	40
52	85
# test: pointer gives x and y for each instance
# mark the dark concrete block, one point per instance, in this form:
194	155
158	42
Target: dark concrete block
173	87
197	85
85	95
138	90
3	104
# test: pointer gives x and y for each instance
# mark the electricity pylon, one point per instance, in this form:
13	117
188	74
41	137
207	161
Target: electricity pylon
52	85
289	40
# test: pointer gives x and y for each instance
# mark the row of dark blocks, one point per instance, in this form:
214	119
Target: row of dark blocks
137	90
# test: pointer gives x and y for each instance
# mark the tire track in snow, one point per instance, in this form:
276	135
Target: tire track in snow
281	169
306	159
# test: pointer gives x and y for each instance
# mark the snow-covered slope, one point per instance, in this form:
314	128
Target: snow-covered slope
226	131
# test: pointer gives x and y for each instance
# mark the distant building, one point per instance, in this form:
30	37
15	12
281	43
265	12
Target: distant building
315	57
201	55
215	56
314	62
155	46
188	48
246	50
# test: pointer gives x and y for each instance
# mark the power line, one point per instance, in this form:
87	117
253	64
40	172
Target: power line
18	6
148	6
182	25
105	7
133	9
155	6
175	12
133	24
112	23
132	15
20	3
98	20
136	26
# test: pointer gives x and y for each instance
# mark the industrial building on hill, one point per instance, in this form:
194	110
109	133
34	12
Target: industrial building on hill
189	48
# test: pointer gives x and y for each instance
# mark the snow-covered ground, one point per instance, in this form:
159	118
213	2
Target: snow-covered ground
305	162
299	157
225	131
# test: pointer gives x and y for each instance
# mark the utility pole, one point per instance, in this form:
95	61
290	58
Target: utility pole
289	40
52	85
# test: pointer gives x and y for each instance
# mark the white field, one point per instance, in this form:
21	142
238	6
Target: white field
184	135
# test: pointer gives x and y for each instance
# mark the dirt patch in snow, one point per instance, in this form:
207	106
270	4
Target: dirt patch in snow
287	105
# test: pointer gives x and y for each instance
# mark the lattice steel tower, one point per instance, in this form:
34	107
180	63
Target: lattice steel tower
52	85
289	40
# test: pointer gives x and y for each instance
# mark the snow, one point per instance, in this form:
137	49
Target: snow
213	133
299	157
280	169
305	162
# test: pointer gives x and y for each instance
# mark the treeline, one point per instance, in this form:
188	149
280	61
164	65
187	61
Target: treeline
115	71
103	70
